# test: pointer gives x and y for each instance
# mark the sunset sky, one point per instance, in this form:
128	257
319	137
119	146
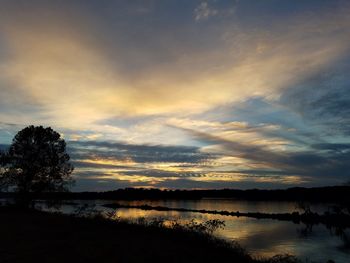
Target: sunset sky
183	94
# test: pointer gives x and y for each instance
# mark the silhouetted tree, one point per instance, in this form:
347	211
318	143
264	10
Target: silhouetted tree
36	162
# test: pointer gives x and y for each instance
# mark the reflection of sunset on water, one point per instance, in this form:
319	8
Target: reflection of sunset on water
262	237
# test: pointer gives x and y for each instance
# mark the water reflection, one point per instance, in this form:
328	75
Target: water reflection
261	237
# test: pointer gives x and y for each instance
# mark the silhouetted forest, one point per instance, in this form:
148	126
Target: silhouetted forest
337	194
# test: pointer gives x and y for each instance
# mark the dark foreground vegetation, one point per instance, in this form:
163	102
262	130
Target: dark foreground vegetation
330	194
34	236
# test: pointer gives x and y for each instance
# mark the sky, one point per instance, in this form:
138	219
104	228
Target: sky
183	94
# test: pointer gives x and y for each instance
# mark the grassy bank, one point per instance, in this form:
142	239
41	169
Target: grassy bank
33	236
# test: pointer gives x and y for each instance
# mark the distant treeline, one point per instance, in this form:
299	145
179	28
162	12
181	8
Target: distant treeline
338	194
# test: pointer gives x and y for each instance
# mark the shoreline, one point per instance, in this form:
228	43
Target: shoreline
54	237
330	220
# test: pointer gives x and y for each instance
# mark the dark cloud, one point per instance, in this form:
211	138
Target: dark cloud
9	124
259	114
138	153
337	147
324	99
196	184
151	49
85	184
313	164
84	164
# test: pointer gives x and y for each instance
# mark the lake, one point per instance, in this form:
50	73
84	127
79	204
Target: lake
261	237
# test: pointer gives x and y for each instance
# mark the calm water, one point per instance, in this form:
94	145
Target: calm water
261	237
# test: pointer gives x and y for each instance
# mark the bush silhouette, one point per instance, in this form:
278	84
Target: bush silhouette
36	162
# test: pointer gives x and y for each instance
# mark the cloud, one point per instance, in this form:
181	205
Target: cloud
142	163
323	99
248	184
60	66
336	147
203	11
310	164
159	166
208	9
140	153
259	95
